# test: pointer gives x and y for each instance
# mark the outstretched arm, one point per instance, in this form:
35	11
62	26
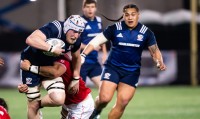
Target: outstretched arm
157	56
48	71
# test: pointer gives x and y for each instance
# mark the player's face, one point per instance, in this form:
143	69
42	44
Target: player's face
131	17
72	36
89	10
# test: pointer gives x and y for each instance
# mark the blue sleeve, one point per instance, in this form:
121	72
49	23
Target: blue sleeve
76	46
52	29
109	32
151	39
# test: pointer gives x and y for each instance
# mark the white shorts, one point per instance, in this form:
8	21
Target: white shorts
82	110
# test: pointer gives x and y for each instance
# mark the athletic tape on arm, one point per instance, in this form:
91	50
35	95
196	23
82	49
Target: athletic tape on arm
98	40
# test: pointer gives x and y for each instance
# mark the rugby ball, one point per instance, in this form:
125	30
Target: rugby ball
54	42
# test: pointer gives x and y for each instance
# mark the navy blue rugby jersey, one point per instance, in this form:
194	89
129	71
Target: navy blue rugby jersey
127	45
93	27
51	30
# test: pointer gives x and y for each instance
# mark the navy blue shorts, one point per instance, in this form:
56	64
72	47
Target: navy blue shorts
90	70
31	79
116	75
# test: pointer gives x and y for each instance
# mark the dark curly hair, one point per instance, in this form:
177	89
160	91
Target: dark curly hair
3	103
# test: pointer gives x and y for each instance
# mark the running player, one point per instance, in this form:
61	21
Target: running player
3	109
91	66
122	68
78	106
68	31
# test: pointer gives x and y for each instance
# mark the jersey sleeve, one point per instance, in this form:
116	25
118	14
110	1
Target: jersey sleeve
151	39
109	32
52	29
76	46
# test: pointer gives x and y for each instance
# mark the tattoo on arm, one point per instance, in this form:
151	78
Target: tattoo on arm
153	48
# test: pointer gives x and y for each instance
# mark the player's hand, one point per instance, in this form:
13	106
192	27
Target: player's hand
25	65
160	65
1	62
73	87
22	88
57	50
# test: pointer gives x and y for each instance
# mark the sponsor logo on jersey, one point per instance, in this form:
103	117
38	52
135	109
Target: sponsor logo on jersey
140	37
129	44
120	35
28	80
107	75
88	27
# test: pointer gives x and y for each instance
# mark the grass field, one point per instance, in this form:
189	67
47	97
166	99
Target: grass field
180	102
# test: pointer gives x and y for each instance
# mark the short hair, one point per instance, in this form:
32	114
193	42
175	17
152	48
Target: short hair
3	103
89	2
131	6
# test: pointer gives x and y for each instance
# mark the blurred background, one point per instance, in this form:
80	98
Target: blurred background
176	24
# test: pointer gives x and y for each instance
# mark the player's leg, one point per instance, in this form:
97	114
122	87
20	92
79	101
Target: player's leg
33	94
106	91
64	112
56	92
125	92
124	95
95	74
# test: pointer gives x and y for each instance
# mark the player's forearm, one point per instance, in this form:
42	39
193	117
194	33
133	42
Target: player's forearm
37	40
76	63
104	50
48	71
155	53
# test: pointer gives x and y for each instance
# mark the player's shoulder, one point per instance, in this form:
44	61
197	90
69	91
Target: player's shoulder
98	19
143	29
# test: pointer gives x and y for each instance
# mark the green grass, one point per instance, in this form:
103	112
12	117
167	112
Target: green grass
148	103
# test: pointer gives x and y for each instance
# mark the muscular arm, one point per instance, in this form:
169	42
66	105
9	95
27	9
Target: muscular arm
37	40
76	63
157	56
52	71
48	71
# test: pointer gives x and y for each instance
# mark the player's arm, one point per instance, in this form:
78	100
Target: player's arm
157	56
1	62
76	63
37	40
54	71
93	44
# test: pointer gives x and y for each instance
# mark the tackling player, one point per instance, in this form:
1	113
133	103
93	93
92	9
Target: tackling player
122	68
3	109
91	66
68	31
76	106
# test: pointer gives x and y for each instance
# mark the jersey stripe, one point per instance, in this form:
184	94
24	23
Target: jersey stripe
58	26
118	25
143	29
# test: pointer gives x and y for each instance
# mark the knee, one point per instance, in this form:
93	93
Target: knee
123	103
58	99
104	99
33	105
